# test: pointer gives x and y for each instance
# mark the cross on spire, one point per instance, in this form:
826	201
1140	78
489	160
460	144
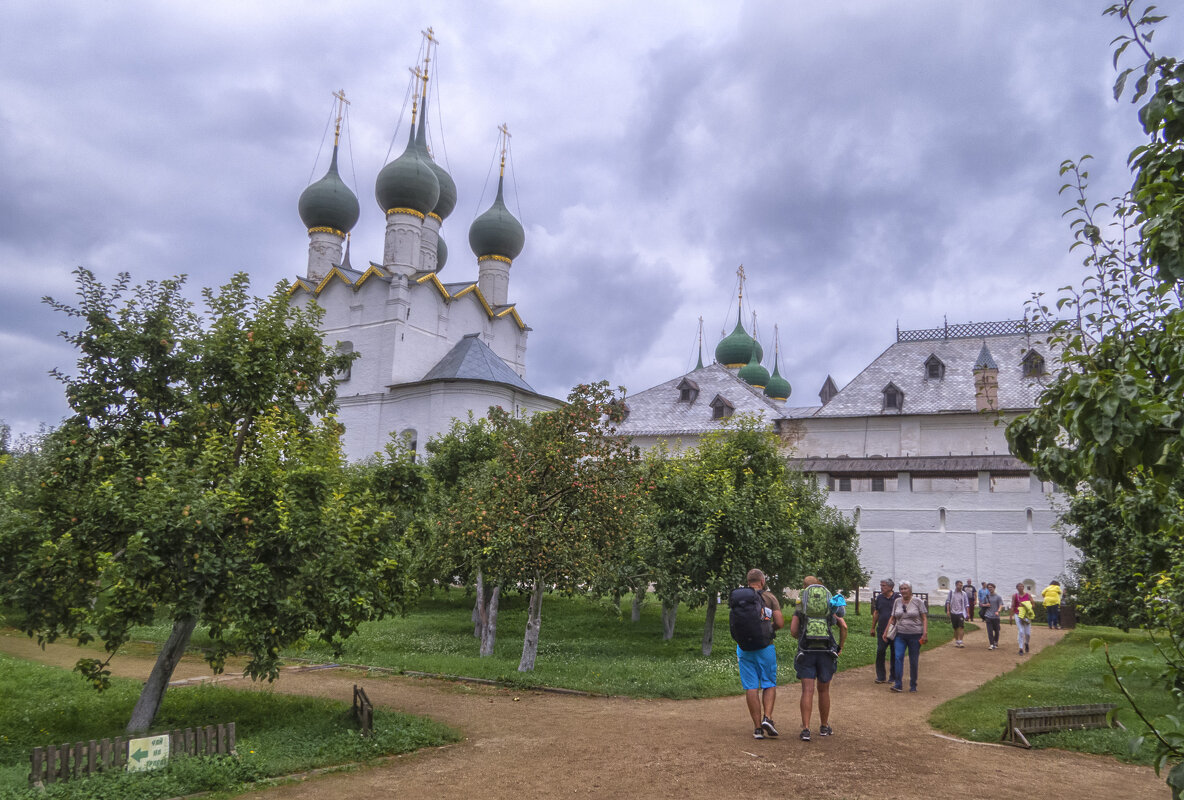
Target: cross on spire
505	133
341	103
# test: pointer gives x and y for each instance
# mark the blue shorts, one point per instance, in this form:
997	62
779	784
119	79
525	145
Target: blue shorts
758	668
817	665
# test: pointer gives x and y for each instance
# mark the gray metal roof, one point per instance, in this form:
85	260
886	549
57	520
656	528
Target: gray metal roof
903	364
472	360
658	412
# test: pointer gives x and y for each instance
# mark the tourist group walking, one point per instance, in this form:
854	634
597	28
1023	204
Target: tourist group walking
900	624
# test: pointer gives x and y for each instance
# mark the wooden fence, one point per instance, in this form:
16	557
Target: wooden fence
66	762
363	710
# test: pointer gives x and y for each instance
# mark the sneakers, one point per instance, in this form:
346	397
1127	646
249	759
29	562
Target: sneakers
895	688
759	733
993	647
805	735
957	644
881	680
825	730
767	724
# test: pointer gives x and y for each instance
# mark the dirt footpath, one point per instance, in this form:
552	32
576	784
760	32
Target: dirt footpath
530	744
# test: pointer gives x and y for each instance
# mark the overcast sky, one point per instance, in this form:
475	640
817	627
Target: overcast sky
870	163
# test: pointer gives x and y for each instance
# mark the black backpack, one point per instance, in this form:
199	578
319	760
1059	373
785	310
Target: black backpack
747	619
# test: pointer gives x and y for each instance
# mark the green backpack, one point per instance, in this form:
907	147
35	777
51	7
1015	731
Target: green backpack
815	606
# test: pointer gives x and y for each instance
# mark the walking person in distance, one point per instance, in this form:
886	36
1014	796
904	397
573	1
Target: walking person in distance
912	630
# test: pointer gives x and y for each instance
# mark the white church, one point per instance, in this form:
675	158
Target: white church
912	448
430	351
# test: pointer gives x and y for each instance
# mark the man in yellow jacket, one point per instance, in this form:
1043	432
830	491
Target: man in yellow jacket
1052	604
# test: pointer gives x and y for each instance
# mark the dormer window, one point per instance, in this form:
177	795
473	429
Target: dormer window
721	408
1033	364
893	398
935	368
688	391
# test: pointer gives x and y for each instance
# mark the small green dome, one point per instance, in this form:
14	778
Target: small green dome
441	253
753	373
329	203
777	388
497	232
408	182
447	199
735	349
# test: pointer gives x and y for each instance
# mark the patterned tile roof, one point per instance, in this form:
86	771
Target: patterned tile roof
658	411
903	364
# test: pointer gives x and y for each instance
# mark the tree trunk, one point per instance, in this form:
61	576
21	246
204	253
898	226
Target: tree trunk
638	596
158	680
669	613
709	626
489	634
530	644
479	607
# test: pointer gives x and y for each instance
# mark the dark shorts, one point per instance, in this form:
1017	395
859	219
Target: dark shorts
817	665
957	621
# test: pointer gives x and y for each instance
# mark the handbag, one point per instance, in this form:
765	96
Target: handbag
890	631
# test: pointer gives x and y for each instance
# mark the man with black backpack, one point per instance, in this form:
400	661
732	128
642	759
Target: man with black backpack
754	618
818	653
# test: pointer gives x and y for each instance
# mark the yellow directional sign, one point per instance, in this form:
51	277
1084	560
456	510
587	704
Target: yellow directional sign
151	752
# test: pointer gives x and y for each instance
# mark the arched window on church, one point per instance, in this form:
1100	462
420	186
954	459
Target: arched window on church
893	397
410	439
344	348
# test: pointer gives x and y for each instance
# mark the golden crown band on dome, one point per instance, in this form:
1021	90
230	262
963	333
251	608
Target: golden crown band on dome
494	258
323	229
410	211
736	366
436	217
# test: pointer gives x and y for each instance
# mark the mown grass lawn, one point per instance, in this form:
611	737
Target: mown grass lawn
276	734
584	644
1069	673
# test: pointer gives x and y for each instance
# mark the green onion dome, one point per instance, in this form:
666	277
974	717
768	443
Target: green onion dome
756	346
447	199
329	203
408	182
777	388
441	253
496	233
735	349
753	373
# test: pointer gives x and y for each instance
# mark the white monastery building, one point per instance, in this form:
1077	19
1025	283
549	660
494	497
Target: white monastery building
912	449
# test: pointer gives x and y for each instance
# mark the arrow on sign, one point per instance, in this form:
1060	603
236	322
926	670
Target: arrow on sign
139	755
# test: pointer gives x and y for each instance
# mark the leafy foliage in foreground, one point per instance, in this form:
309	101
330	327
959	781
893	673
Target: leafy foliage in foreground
199	478
1111	428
